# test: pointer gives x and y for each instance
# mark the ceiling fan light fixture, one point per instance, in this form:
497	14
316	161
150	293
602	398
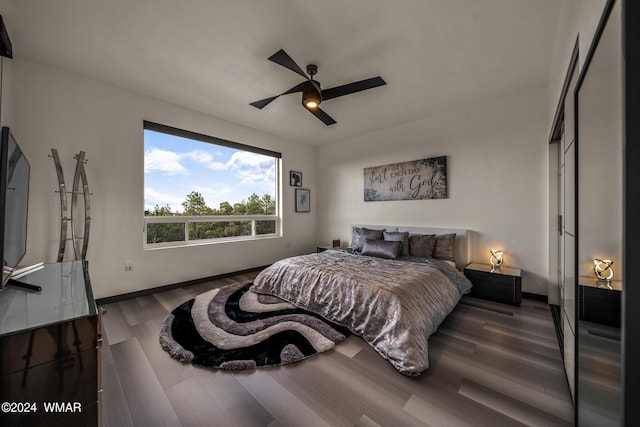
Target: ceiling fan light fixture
310	99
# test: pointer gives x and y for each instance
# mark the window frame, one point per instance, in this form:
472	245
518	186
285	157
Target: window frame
191	219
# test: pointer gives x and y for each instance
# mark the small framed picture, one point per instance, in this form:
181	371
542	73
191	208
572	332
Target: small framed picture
295	179
303	200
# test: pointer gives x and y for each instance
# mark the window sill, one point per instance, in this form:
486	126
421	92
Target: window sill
208	242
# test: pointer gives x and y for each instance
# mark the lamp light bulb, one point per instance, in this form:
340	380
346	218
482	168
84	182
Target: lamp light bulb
312	104
602	269
496	259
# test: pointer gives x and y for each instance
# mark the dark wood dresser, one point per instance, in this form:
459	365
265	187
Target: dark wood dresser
600	302
49	350
503	285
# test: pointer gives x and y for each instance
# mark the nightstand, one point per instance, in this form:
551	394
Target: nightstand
504	285
599	303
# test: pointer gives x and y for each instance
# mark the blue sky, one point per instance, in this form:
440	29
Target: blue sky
174	167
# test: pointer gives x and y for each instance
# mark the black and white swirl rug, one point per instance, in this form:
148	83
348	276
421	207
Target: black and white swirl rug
234	328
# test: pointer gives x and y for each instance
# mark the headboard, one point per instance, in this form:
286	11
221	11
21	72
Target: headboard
461	245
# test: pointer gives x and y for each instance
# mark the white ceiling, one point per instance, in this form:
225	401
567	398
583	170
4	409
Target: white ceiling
211	55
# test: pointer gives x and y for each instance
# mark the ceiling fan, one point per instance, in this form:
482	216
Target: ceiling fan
312	93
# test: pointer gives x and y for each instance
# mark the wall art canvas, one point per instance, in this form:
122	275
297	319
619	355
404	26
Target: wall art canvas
295	179
413	180
303	200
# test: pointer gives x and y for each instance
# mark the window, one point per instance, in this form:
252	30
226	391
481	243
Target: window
201	189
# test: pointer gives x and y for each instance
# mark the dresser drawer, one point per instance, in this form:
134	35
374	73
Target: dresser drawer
42	345
71	378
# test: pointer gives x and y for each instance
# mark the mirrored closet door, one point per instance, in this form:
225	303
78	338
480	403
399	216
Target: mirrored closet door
599	183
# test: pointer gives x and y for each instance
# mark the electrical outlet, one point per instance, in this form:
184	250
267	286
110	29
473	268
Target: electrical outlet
128	266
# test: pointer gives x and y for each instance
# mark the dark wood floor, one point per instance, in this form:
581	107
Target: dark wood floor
490	364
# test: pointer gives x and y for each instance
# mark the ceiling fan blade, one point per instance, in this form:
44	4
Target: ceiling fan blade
324	117
282	58
264	102
297	88
354	87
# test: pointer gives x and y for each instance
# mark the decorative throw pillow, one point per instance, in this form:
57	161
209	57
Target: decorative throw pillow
381	248
399	236
443	248
355	235
421	245
360	234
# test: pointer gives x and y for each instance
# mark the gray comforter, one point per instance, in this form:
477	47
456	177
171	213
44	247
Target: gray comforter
393	304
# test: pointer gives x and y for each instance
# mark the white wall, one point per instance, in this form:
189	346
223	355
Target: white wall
497	173
575	18
56	109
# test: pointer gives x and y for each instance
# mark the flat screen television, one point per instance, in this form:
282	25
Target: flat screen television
14	204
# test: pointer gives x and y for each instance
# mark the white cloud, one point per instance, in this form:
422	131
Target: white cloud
164	161
258	175
214	195
198	156
250	167
153	198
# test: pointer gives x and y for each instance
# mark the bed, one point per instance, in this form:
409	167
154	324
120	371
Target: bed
394	303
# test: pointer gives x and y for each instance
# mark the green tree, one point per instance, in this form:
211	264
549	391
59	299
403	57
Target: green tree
195	205
160	211
269	205
160	233
225	209
239	208
254	205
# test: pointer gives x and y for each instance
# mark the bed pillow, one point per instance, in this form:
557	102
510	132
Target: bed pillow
360	234
443	248
381	248
421	245
399	236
